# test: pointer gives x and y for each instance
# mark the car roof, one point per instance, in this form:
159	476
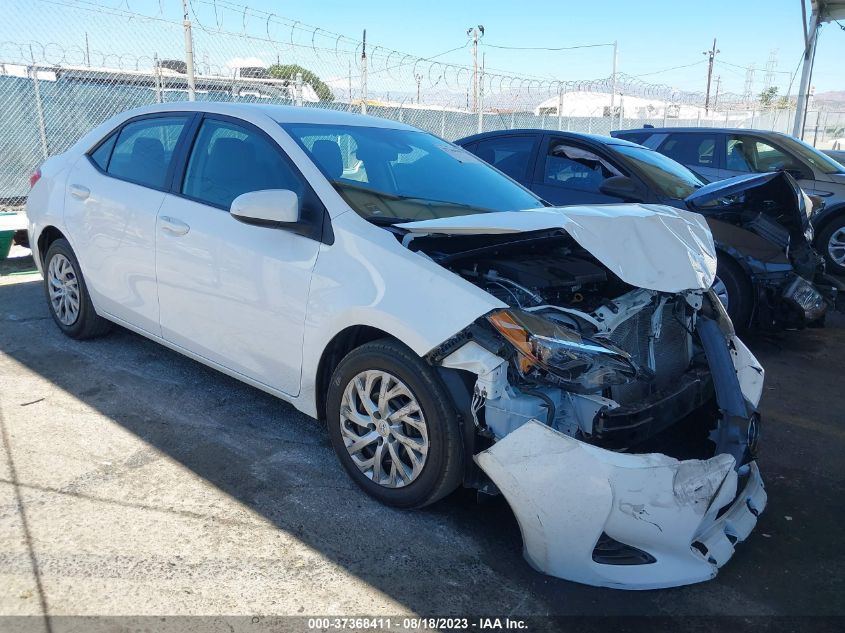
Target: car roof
697	130
279	113
575	136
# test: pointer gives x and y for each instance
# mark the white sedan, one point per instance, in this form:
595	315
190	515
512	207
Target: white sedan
448	325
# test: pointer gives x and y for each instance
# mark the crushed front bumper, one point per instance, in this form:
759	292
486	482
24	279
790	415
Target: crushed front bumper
568	495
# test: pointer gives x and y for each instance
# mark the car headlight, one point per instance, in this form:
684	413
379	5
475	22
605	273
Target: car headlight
564	353
803	294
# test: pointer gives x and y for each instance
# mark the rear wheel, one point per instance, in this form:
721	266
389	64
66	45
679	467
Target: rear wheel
832	245
393	426
735	291
67	296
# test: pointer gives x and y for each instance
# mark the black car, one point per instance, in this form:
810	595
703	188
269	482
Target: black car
718	153
769	275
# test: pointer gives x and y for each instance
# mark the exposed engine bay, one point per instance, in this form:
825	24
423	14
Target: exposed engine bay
603	361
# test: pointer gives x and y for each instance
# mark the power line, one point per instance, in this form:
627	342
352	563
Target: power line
666	70
545	48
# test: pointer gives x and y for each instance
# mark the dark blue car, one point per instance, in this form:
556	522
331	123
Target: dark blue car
769	274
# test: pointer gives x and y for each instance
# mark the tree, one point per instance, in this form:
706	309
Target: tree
289	71
767	97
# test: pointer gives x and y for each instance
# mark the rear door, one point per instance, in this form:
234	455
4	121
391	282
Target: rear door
234	293
113	195
572	173
699	151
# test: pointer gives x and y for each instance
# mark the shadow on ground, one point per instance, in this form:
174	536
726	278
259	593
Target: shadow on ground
459	557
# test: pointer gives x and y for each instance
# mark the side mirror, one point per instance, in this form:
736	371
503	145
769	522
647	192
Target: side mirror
275	208
621	187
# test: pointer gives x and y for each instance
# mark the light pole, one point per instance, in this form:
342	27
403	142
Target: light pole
189	51
418	79
476	32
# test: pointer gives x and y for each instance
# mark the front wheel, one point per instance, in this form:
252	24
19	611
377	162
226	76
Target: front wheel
67	295
831	242
393	426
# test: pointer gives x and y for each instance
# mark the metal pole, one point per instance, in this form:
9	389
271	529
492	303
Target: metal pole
753	112
559	108
443	123
349	69
157	77
711	56
513	125
613	79
189	52
806	72
481	97
39	111
299	89
87	51
364	75
475	69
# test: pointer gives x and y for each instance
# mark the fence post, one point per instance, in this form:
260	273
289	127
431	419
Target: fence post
513	127
443	122
157	77
753	112
299	89
189	52
39	110
699	118
559	109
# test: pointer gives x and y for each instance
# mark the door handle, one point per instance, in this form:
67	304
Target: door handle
173	226
79	192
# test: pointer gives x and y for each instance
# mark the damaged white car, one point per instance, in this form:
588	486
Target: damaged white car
449	327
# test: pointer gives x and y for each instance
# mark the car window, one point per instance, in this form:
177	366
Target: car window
695	150
388	174
144	148
102	154
228	160
635	137
509	154
748	154
576	168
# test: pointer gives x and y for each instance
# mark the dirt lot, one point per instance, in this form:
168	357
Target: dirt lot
136	481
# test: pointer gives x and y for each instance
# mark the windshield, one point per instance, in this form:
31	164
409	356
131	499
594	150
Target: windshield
671	179
389	175
810	154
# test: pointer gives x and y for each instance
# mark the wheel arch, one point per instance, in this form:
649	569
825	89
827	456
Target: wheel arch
828	215
46	237
339	346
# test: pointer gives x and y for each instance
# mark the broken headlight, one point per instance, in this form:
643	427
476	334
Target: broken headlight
803	294
564	353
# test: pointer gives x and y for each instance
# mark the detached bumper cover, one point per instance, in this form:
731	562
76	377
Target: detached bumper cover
567	494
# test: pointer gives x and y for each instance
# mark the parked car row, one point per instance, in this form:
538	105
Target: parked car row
448	325
723	153
769	274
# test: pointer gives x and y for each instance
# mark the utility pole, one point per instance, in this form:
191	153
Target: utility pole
87	51
613	78
364	75
419	80
189	52
475	32
712	56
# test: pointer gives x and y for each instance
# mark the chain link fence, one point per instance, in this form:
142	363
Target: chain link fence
68	65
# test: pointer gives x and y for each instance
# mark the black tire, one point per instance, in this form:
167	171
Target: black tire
823	240
740	292
443	465
88	324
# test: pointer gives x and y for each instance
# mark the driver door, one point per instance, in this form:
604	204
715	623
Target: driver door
229	292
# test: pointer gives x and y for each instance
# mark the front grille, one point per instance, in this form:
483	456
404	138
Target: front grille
671	352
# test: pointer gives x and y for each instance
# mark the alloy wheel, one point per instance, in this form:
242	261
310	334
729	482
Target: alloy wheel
63	286
383	428
836	246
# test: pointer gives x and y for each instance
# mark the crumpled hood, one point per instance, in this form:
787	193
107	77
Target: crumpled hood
646	245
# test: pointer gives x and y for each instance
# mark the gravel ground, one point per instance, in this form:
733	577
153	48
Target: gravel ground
134	481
